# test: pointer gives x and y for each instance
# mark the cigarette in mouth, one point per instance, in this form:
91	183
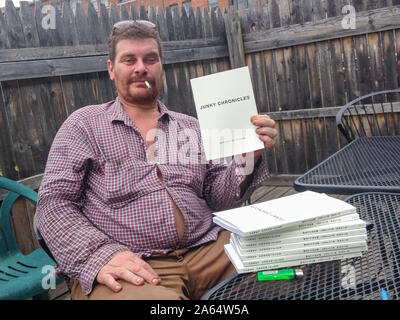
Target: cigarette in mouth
147	84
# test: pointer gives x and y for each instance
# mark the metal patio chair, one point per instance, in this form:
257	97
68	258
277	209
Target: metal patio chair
375	114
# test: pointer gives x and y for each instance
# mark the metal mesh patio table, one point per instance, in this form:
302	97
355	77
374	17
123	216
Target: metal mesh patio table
368	164
358	278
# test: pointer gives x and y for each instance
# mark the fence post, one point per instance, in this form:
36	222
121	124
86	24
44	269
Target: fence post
234	39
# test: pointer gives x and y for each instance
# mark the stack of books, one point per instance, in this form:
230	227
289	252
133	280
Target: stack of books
303	228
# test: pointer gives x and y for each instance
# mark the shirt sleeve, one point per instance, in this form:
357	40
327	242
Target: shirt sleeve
222	182
78	247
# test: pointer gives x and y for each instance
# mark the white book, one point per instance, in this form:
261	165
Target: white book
281	213
344	218
240	268
249	263
224	104
351	243
308	233
316	241
341	223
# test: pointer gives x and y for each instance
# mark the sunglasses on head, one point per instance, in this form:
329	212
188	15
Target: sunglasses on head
126	23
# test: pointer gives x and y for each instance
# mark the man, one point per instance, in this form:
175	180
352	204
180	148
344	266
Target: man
119	223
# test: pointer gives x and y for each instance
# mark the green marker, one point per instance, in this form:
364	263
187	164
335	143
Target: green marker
285	274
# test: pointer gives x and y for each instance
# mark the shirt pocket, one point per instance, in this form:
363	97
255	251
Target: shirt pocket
125	181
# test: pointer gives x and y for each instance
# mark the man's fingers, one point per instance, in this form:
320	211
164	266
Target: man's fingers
128	276
262	121
109	281
271	132
138	266
268	141
129	267
148	273
266	131
144	271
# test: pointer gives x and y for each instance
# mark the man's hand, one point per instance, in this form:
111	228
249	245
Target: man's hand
266	131
127	266
267	134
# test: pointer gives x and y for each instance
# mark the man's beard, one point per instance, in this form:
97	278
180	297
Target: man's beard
147	98
143	99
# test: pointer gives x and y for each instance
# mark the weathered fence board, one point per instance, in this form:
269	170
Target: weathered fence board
322	30
50	68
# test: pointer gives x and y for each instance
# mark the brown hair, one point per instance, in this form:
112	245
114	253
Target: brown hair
133	30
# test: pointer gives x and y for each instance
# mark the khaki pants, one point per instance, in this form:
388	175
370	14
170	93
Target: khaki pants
185	274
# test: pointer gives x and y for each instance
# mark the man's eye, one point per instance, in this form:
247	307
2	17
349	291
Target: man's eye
152	60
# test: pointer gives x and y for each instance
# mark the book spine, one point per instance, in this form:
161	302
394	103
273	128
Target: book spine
293	263
293	223
279	244
300	248
310	232
359	248
222	223
344	218
304	242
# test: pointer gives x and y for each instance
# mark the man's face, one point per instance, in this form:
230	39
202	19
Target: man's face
137	61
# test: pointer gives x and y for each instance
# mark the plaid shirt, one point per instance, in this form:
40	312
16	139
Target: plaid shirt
100	194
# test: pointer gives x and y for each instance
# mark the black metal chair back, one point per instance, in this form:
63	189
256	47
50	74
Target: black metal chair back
375	114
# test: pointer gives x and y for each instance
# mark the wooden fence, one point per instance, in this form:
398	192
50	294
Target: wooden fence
304	65
299	55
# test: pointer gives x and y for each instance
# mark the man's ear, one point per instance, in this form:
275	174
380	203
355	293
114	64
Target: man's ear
110	68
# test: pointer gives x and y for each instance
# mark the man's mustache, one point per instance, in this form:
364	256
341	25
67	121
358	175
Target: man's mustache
140	80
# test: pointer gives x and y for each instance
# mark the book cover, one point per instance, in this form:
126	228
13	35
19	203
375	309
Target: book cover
240	268
300	242
281	213
290	252
224	104
347	217
314	255
306	232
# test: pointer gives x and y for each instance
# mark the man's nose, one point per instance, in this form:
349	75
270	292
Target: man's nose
140	67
